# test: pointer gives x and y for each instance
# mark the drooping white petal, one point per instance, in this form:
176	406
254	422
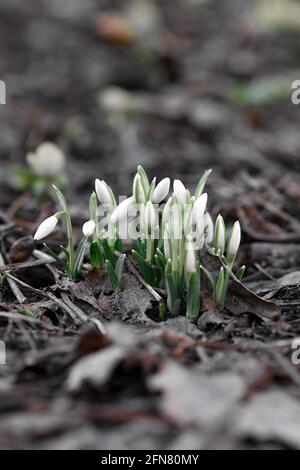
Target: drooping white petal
46	228
180	191
88	228
121	211
161	191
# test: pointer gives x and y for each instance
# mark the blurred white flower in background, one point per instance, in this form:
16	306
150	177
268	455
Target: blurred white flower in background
48	161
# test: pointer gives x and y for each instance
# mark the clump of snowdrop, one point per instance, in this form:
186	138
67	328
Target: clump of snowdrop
169	232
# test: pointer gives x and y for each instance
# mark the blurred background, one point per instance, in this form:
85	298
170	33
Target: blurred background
176	85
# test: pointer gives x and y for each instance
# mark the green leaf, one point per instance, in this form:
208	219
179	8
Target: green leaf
145	268
62	200
120	266
79	256
112	275
240	273
173	299
210	278
151	189
201	185
108	252
220	286
56	257
193	296
96	257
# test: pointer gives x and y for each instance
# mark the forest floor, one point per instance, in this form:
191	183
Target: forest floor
211	89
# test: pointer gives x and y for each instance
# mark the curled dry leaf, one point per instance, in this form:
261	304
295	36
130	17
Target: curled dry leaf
240	299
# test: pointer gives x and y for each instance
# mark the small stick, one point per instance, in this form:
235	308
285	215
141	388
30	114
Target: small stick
142	281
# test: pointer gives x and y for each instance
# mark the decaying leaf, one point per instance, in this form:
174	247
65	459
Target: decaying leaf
240	299
192	399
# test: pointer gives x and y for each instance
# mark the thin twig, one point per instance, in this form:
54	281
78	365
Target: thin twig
142	281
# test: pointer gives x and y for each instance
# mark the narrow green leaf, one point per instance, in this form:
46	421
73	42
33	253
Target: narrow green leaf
193	296
201	185
240	273
56	257
112	275
96	257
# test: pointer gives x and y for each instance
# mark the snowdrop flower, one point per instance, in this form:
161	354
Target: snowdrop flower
121	211
199	207
190	258
48	161
89	228
104	193
47	227
180	191
161	191
149	218
137	190
166	212
209	228
234	243
176	221
220	235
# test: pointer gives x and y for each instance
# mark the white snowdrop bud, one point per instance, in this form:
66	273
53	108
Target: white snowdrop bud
199	207
180	191
137	190
209	228
220	235
48	161
190	258
149	217
121	211
161	191
166	212
234	242
89	228
47	227
104	193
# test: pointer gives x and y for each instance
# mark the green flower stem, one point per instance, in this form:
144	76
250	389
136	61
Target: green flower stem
66	210
149	255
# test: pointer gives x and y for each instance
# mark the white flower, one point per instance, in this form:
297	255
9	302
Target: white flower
47	227
114	99
121	211
199	207
161	191
180	191
220	235
137	189
209	228
190	258
234	242
89	228
48	161
166	212
149	217
104	193
176	221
